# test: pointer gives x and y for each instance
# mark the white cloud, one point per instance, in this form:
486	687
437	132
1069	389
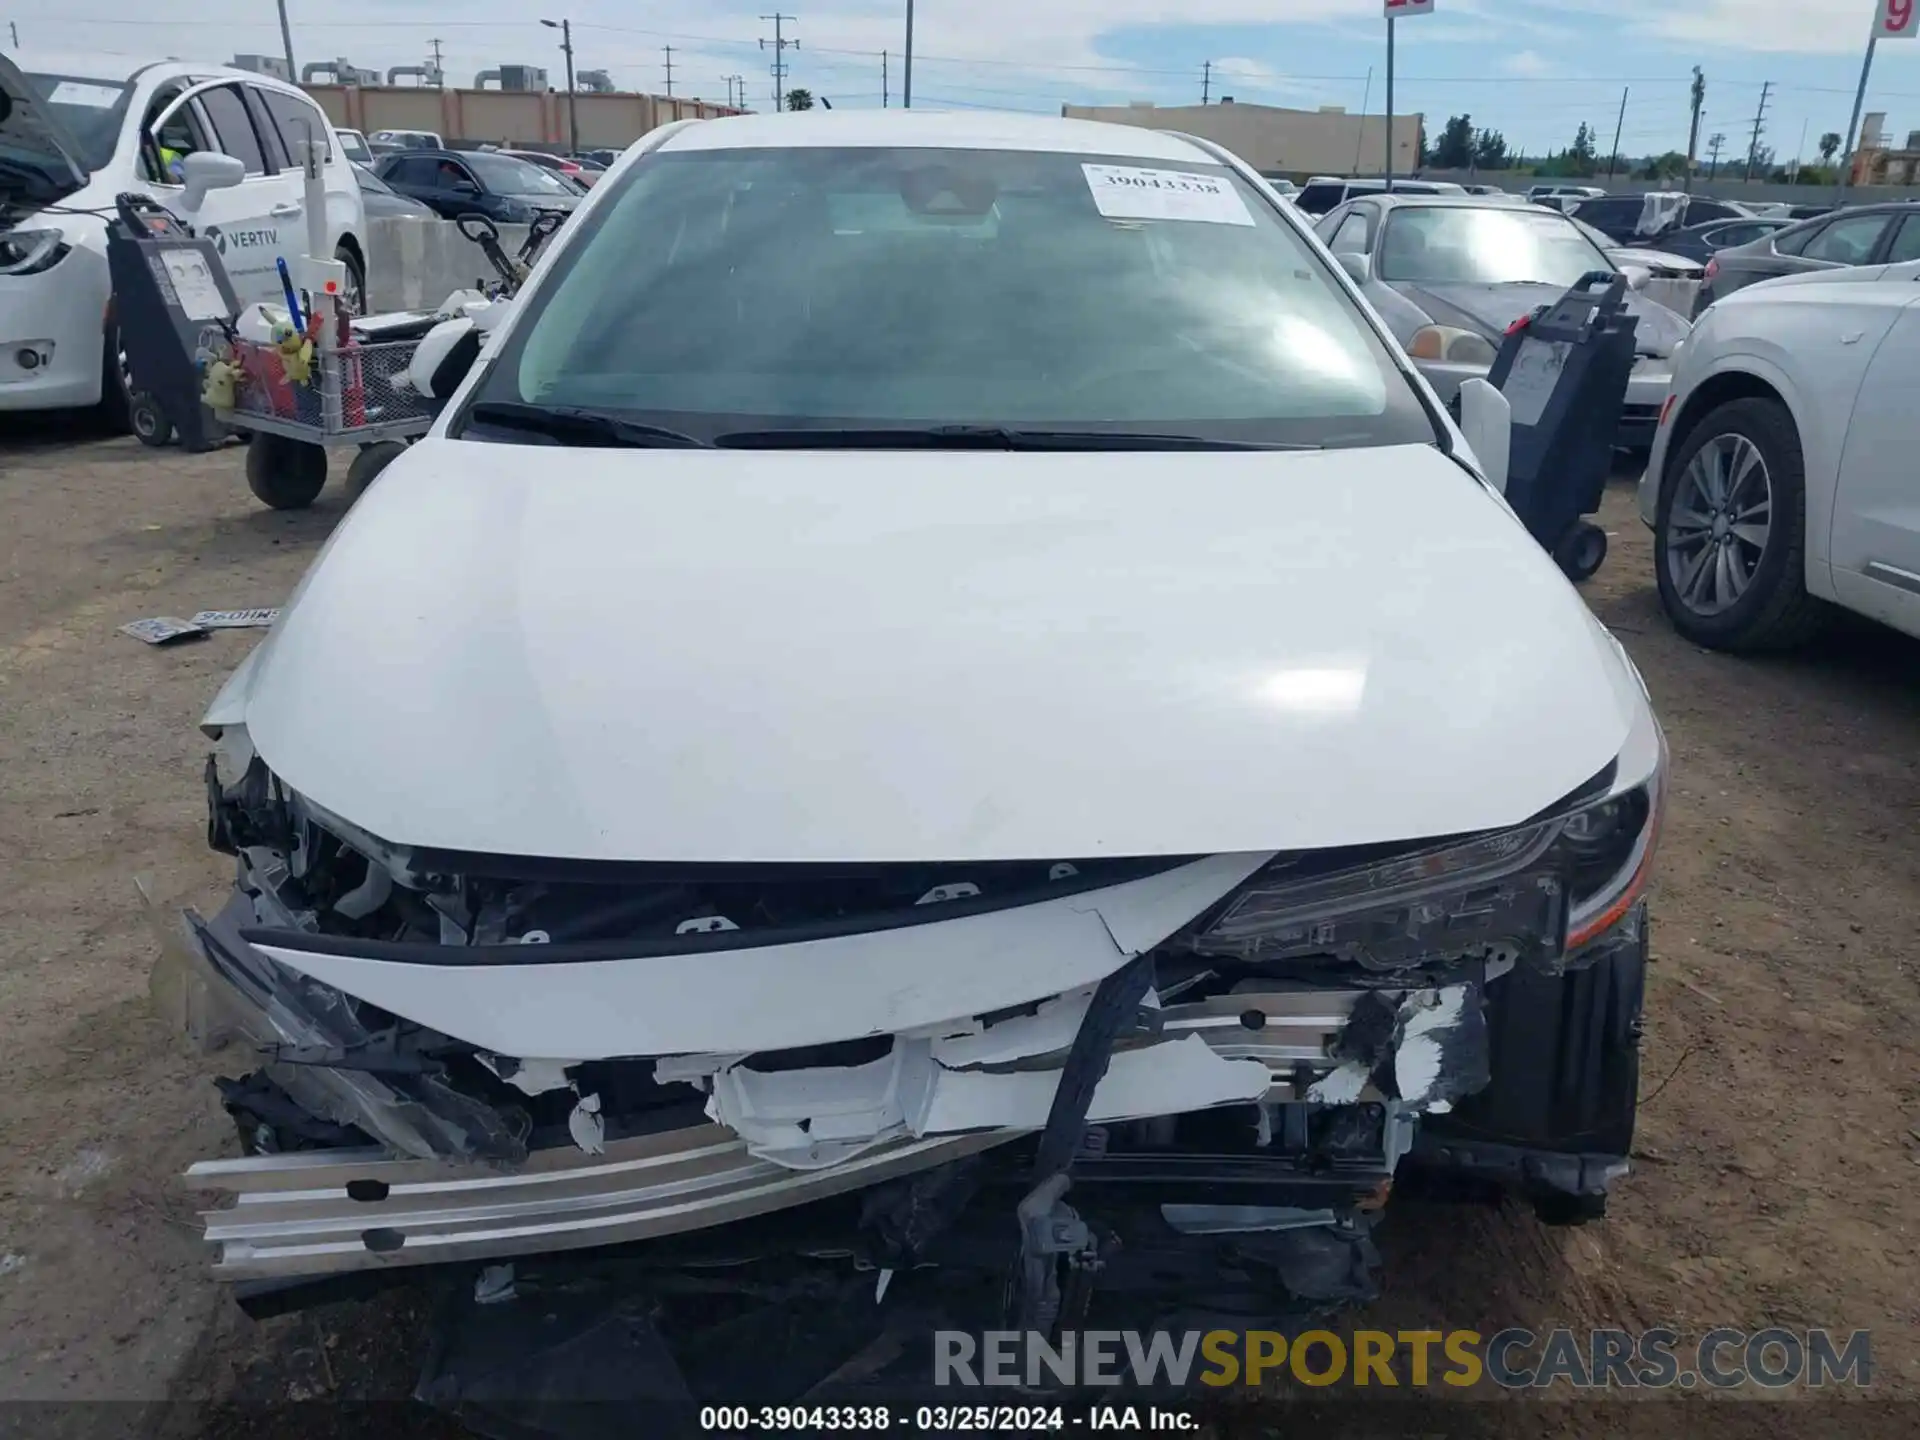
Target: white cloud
1529	63
1831	27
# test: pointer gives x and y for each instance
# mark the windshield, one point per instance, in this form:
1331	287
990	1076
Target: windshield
504	175
1460	244
724	290
90	108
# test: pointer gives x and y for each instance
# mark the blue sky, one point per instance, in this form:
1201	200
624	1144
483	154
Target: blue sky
1534	71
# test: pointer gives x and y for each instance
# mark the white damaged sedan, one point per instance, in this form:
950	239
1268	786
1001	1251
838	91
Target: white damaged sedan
928	653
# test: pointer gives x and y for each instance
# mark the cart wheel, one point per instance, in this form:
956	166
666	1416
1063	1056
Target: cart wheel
283	473
148	421
1581	550
371	460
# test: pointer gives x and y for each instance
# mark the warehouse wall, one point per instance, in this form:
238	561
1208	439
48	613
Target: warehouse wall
507	117
1299	142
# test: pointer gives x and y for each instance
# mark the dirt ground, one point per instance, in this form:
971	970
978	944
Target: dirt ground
1778	1173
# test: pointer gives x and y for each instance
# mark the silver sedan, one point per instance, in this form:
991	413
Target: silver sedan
1449	275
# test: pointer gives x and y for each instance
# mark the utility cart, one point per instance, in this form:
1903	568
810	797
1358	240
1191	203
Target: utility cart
356	393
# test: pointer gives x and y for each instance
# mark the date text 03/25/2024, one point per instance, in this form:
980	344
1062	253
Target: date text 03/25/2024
939	1419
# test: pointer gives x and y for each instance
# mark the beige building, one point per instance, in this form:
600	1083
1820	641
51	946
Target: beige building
509	117
1327	141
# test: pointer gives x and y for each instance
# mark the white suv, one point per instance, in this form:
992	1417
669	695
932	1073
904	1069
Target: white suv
76	131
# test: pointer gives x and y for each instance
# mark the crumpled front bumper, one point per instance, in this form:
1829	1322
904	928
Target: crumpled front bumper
1266	1047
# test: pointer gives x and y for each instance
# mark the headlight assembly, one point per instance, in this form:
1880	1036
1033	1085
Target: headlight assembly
1543	891
28	252
1456	347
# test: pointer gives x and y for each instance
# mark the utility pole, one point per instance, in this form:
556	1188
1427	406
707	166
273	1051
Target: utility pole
780	47
883	79
1614	159
1693	131
1853	125
1759	124
737	92
14	26
1360	131
565	27
1713	151
1388	172
1206	81
906	79
286	40
669	50
439	75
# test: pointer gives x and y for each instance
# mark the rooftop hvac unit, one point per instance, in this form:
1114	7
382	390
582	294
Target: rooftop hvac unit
598	81
274	65
1913	139
522	77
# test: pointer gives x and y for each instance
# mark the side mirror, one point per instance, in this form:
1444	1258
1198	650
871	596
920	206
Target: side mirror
1637	276
1486	419
206	170
441	360
1355	265
464	187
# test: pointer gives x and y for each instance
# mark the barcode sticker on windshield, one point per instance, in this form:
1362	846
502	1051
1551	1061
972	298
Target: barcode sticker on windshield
91	97
1123	192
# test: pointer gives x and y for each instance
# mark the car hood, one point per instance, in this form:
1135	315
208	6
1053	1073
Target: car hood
718	655
30	122
1490	309
1655	260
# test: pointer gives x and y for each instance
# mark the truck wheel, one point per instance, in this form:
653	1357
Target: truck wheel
285	474
371	460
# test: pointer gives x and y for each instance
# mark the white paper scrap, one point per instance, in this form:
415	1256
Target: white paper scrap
1127	192
236	619
89	97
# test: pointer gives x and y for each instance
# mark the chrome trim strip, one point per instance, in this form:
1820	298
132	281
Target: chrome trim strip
1893	575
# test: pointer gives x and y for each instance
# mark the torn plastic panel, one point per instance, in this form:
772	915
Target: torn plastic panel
319	1046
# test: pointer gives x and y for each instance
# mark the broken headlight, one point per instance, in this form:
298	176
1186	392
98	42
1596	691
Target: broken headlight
1472	895
1541	891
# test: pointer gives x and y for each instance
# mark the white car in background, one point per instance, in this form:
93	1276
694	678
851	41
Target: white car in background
1782	476
78	130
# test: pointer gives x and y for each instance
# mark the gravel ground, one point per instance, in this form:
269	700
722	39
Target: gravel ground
1780	1138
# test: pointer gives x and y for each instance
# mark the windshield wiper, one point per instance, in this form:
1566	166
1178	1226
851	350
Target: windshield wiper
571	425
977	437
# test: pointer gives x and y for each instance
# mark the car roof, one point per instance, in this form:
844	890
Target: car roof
936	129
1399	199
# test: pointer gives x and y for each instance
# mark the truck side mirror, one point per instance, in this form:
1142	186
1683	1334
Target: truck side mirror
1486	420
206	170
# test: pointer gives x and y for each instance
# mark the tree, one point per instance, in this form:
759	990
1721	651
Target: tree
799	98
1490	151
1829	146
1670	166
1454	149
1582	154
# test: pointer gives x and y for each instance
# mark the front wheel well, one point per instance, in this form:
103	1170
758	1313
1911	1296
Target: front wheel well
1721	389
